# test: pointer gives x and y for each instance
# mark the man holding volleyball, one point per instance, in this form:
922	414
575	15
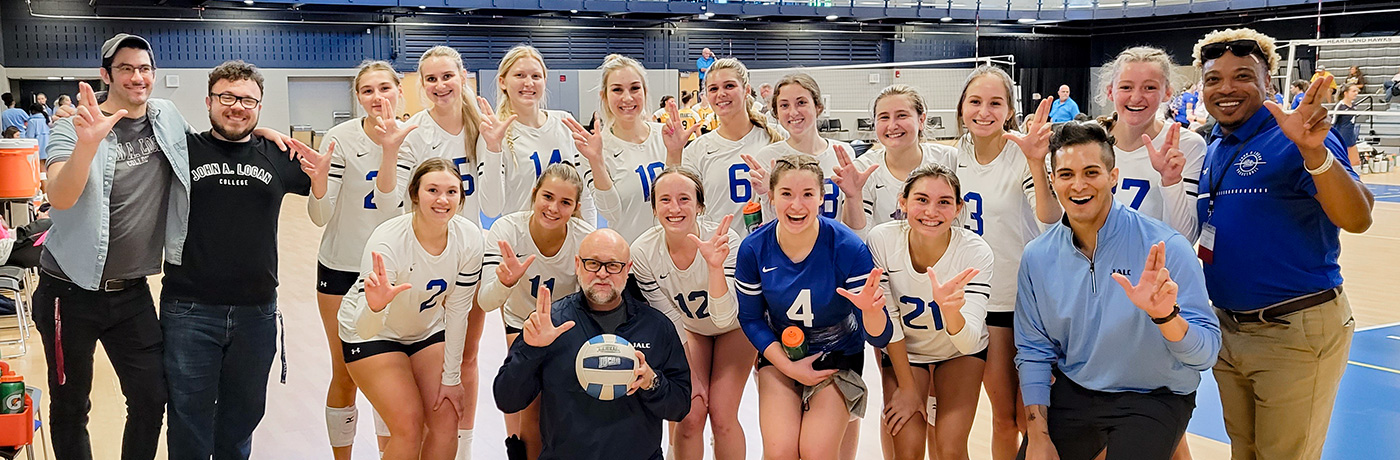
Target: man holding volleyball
564	357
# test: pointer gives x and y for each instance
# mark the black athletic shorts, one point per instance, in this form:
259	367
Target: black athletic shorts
357	351
885	360
838	361
1005	319
330	281
513	330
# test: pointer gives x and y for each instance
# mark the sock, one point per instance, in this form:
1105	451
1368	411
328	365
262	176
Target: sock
340	425
464	444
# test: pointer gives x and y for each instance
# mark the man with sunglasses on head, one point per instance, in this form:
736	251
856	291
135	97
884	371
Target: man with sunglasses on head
542	363
1275	190
218	309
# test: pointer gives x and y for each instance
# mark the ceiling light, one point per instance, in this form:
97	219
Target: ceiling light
947	19
422	7
1026	20
831	17
709	14
247	2
573	11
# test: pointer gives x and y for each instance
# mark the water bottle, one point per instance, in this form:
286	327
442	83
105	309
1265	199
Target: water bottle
794	343
11	390
753	215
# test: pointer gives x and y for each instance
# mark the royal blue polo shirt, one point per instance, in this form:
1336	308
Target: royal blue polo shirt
1273	242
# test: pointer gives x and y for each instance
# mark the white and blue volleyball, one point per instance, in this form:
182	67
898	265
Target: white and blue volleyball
605	366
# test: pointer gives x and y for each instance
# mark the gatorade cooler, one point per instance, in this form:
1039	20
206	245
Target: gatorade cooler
16	410
19	168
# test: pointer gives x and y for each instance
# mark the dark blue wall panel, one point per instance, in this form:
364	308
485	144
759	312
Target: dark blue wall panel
562	48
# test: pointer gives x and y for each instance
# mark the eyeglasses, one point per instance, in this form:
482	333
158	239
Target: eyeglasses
593	265
1239	48
127	69
229	99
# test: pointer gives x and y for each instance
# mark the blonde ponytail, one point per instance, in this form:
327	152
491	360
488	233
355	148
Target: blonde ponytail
471	115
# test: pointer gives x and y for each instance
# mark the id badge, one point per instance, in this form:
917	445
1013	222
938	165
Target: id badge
1206	250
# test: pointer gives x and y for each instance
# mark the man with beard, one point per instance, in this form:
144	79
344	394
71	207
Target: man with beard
219	308
541	363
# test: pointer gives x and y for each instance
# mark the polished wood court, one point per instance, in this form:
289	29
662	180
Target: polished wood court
294	426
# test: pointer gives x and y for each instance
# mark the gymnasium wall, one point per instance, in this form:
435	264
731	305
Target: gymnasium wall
848	94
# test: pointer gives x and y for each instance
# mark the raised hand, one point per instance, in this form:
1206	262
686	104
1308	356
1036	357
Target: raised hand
1168	160
871	297
716	249
379	290
511	269
1155	292
951	297
643	372
846	176
589	144
802	371
758	175
539	330
391	135
1307	125
314	164
493	130
91	125
675	135
1035	143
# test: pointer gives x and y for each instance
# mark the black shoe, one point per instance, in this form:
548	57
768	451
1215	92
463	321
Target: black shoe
515	448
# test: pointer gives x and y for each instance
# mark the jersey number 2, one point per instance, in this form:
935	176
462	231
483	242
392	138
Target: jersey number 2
369	198
441	286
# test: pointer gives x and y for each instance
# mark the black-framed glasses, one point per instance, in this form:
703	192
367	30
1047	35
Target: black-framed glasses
593	265
229	99
1239	48
128	69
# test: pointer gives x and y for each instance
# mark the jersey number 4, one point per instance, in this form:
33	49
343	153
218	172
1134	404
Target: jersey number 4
700	312
801	309
919	306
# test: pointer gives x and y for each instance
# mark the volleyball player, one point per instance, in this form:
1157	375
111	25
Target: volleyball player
403	326
345	200
717	155
547	238
797	103
937	283
627	152
685	268
788	272
1007	195
519	139
900	113
1159	168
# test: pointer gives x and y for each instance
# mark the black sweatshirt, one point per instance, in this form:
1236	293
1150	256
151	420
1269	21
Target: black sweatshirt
578	426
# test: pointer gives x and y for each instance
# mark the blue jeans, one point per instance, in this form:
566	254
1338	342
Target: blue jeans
217	359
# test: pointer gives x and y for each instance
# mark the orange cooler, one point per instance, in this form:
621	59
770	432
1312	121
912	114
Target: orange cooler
19	168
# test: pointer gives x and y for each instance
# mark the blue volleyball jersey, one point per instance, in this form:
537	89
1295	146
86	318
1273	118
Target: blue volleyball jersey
774	292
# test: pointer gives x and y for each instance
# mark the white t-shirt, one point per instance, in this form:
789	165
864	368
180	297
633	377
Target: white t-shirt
352	206
683	294
880	195
831	194
431	141
442	289
626	207
1140	185
507	177
909	293
724	172
999	200
556	272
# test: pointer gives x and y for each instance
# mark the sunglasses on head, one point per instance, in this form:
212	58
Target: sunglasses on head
1239	48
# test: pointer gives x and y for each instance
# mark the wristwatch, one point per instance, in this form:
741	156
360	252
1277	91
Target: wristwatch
1176	310
655	380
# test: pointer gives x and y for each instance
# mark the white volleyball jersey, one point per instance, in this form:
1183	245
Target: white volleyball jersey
507	177
431	141
831	194
909	293
726	176
999	206
443	286
555	272
626	207
352	206
1140	185
880	195
683	294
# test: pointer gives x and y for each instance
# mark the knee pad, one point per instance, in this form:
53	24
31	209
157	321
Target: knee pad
464	445
381	429
340	425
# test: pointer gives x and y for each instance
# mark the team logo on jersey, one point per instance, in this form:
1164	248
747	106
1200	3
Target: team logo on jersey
1123	271
1249	163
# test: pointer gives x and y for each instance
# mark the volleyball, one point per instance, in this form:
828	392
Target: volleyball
605	366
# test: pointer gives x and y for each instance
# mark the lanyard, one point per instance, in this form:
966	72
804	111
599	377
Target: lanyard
1216	182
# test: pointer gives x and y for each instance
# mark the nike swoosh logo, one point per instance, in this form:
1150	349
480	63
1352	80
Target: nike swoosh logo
879	185
712	152
360	154
769	269
663	276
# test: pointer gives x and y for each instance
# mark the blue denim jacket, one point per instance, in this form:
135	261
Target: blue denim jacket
80	234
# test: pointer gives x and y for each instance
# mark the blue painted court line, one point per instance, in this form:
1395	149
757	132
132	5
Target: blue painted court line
1385	192
1366	417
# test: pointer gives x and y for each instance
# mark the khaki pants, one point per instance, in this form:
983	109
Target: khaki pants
1278	381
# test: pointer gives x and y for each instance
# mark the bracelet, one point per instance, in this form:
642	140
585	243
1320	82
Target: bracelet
1176	310
1326	165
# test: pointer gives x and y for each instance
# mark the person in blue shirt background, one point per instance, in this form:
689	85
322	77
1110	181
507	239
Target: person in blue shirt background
1276	188
1185	103
13	115
1124	378
1297	88
1063	109
707	59
788	274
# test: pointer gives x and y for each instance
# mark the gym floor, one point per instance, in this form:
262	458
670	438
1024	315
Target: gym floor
1364	422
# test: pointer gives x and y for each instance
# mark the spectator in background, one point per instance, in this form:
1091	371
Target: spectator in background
661	111
1186	102
1346	124
11	133
63	107
707	59
765	97
38	127
43	100
1063	109
1390	85
1297	88
1329	94
1355	77
12	116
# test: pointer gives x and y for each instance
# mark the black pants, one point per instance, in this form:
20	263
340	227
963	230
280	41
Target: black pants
1133	426
72	320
